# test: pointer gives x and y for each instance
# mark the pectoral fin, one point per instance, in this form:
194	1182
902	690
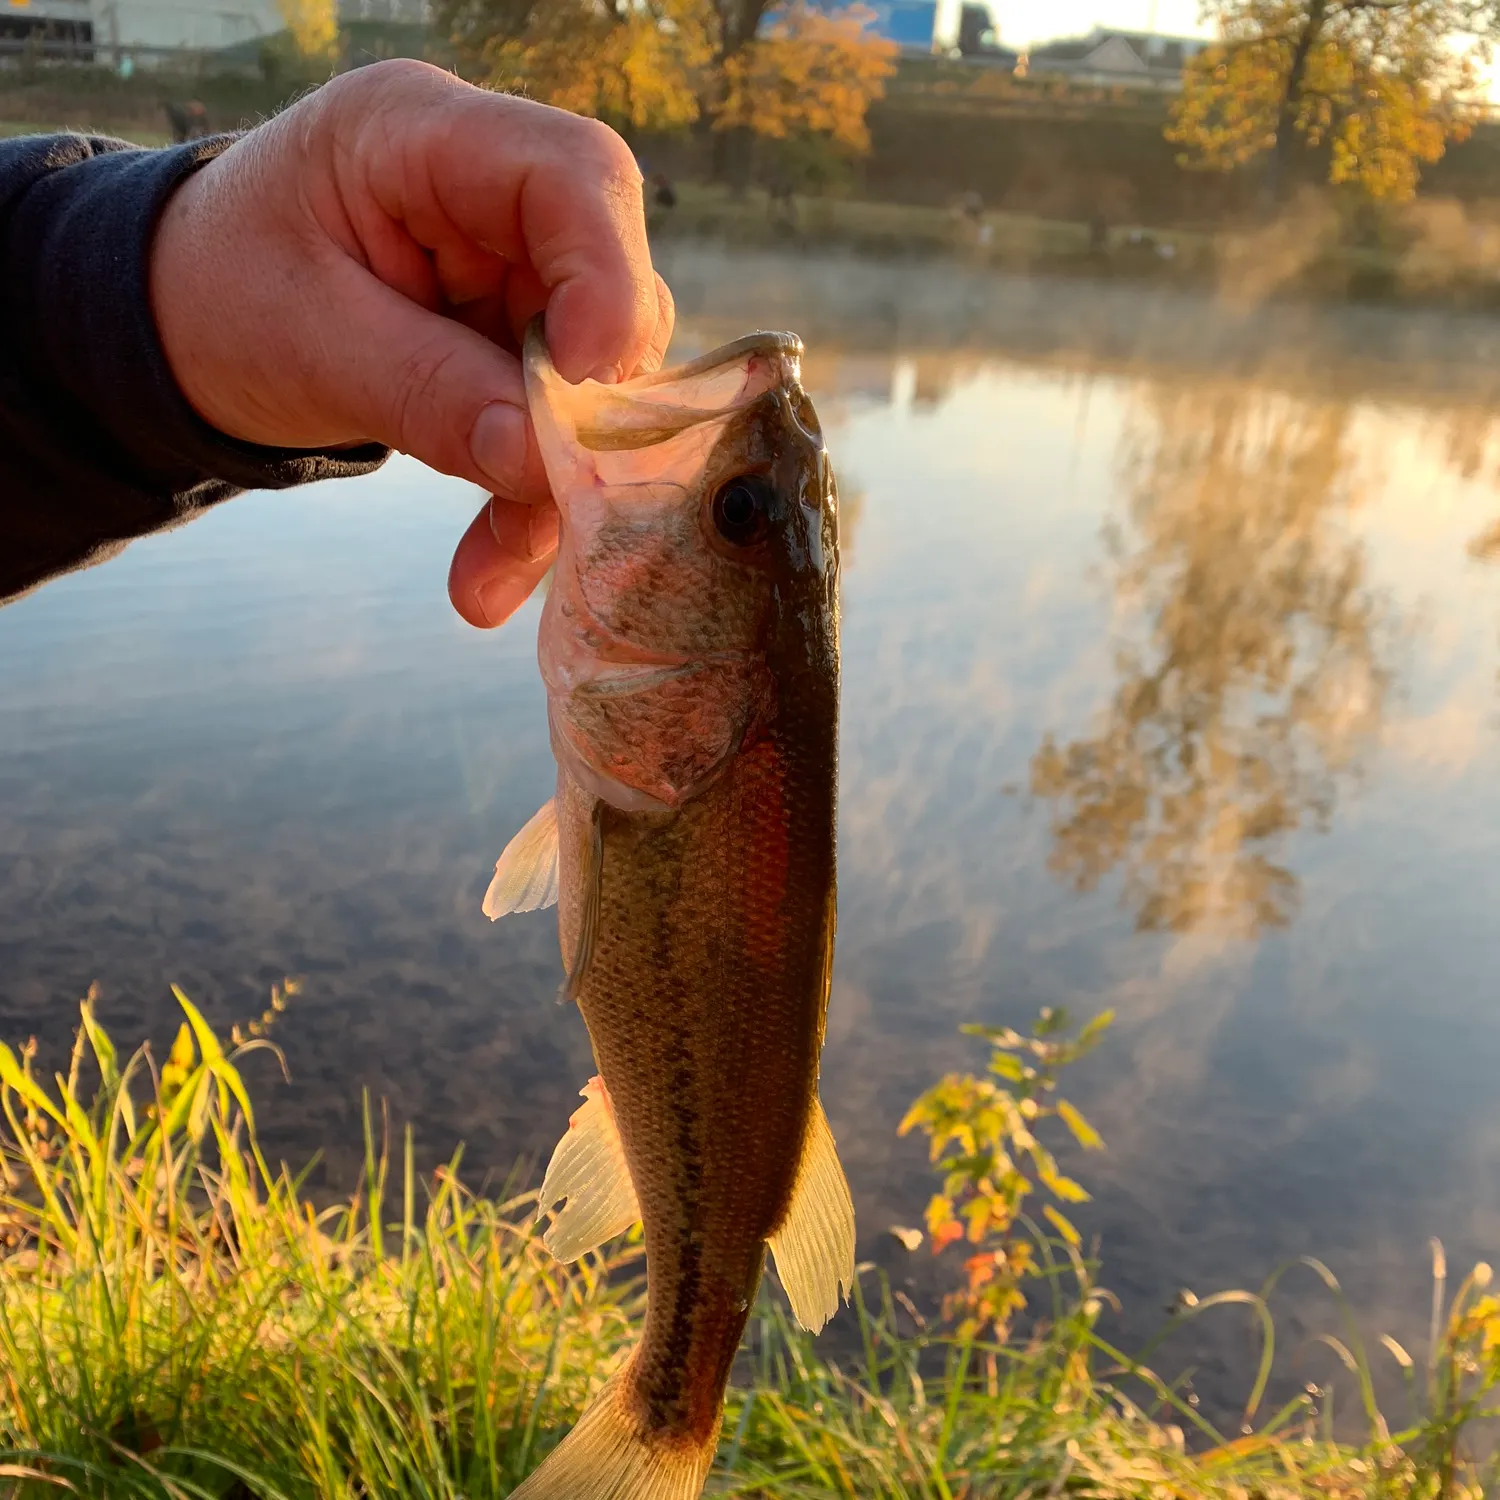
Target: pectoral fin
526	874
588	1170
814	1246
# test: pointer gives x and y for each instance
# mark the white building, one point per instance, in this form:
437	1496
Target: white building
200	25
63	19
1105	57
196	25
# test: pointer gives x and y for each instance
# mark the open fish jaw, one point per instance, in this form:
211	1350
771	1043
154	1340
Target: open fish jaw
651	637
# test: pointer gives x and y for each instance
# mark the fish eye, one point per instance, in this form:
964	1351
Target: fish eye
742	509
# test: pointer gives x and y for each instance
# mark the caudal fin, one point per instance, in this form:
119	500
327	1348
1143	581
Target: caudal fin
608	1456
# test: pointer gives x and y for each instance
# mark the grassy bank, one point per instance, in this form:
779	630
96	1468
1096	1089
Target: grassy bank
706	211
1435	252
1429	253
176	1319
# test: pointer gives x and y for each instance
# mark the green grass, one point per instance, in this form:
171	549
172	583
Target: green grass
27	127
177	1319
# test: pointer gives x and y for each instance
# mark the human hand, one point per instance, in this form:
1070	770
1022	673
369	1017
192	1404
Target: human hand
363	267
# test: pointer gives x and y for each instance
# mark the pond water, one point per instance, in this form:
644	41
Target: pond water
1172	651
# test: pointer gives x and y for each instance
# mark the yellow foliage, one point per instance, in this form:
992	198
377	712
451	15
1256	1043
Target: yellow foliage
660	64
981	1136
1383	88
313	24
635	66
814	72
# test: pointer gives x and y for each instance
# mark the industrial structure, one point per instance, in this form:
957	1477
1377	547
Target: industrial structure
167	25
144	28
928	25
1138	59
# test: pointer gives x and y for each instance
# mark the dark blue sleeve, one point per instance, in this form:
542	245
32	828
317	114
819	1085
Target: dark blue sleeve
97	443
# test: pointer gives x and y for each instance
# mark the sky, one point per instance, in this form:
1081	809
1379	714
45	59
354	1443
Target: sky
1023	21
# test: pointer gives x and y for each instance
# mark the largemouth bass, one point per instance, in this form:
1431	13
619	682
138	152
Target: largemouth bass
689	646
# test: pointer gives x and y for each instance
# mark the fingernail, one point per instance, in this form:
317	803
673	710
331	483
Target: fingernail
499	599
608	375
542	531
497	444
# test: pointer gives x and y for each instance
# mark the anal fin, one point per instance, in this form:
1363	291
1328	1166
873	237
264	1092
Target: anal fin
526	874
610	1455
814	1244
588	1169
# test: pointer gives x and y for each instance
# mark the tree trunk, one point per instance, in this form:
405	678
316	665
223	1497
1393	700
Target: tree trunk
1285	152
733	149
733	157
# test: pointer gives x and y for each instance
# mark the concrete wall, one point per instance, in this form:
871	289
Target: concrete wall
38	11
209	24
197	24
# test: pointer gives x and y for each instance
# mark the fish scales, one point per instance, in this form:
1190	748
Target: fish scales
700	1004
690	647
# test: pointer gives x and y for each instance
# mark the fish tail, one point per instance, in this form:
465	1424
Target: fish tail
610	1455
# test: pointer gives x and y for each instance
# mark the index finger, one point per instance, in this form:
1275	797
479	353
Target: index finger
543	189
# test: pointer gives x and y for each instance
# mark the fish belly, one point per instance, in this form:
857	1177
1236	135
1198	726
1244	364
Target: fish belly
704	998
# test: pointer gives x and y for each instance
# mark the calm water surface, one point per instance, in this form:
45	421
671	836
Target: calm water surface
1171	652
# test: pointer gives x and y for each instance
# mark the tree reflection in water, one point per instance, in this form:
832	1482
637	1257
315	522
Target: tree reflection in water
1251	661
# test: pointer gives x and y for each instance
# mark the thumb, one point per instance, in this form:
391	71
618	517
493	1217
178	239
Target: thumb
431	387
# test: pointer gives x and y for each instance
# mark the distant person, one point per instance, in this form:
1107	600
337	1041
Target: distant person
974	229
189	122
663	194
181	324
1098	235
177	119
781	202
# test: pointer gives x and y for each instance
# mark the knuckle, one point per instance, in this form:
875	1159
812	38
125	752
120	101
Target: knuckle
418	381
402	73
392	83
611	155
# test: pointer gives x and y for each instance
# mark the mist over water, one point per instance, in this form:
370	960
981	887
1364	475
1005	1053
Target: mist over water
1171	655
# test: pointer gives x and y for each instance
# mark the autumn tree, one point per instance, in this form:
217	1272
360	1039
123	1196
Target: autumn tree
1380	86
631	64
665	64
312	24
812	73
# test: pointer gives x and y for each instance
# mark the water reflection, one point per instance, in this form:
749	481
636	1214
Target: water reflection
1199	580
1251	660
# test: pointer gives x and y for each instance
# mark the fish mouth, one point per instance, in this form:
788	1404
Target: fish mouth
651	409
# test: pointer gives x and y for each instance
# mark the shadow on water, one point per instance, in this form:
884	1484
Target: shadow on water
1192	606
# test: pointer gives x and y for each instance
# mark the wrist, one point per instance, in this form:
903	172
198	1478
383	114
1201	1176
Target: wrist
180	259
224	301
